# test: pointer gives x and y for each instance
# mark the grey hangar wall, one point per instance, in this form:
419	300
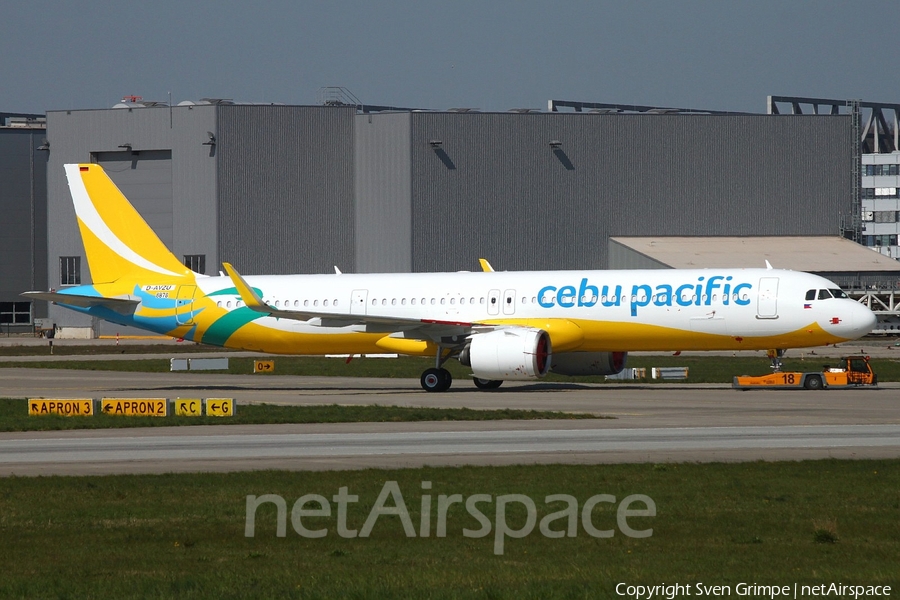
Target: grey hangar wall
299	189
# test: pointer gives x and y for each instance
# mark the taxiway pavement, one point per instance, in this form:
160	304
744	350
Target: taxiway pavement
650	423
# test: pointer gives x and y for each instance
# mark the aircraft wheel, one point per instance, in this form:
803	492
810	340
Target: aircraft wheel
487	384
436	380
813	382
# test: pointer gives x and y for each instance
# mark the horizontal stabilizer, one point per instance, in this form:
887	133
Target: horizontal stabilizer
124	306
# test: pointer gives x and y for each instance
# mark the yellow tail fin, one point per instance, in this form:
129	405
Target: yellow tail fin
117	240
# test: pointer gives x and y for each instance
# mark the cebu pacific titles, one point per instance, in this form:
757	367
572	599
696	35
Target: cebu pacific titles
502	325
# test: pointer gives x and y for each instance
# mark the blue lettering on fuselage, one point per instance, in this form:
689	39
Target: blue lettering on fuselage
699	293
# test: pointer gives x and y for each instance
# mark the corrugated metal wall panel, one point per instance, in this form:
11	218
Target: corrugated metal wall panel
23	204
501	191
383	180
285	177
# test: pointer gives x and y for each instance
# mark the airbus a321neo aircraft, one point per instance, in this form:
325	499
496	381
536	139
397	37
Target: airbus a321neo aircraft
503	325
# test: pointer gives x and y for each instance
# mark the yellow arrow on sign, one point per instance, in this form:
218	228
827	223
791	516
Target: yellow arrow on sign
188	407
220	407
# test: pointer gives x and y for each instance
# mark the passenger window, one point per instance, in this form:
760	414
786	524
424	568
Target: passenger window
315	302
325	303
403	301
413	301
443	301
452	300
462	300
374	302
811	295
306	302
824	294
219	304
239	303
393	302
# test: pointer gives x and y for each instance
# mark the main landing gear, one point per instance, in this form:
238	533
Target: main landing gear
436	380
439	379
487	384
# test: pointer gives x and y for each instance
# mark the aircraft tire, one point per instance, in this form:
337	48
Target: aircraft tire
813	382
487	384
436	380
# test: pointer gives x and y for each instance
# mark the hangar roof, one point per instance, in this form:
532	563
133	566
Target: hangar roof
797	253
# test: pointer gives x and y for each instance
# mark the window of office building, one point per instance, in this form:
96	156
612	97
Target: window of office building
15	313
196	263
884	216
875	170
69	270
877	241
872	193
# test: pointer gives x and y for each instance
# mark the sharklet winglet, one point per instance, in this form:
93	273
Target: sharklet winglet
248	294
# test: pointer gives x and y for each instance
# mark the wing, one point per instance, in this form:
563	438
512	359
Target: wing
423	328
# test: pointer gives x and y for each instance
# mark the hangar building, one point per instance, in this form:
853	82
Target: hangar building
299	189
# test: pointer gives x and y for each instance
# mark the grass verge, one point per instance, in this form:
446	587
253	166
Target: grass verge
163	536
14	416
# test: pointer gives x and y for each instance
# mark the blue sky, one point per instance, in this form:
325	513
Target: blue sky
492	56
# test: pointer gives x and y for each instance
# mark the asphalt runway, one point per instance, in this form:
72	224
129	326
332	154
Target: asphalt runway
646	423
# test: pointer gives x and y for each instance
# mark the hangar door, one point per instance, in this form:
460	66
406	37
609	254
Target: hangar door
145	177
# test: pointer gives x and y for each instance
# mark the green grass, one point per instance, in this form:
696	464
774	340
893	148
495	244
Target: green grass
702	369
14	416
165	536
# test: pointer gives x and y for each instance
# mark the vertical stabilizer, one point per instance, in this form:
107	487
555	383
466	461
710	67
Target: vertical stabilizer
117	240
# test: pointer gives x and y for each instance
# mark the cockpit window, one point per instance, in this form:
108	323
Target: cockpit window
811	295
824	294
838	293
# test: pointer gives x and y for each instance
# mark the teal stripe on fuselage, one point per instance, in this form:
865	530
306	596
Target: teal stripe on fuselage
224	327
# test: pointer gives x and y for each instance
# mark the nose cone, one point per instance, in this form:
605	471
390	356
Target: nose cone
864	320
849	319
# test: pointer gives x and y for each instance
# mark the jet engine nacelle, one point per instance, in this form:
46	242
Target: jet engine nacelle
508	354
589	363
